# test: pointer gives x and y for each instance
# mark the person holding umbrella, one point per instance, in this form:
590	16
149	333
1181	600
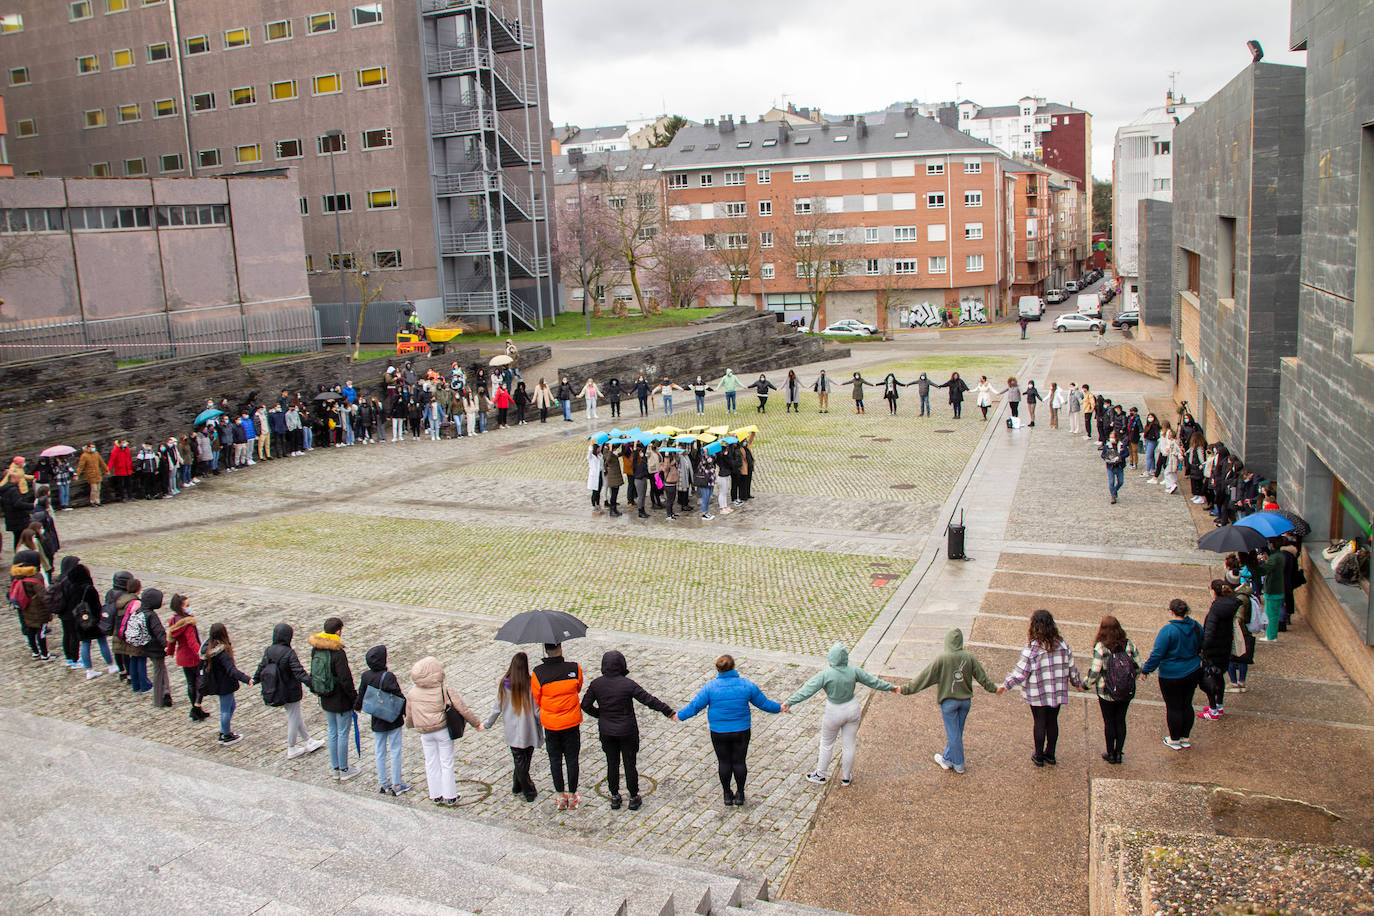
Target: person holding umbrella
727	699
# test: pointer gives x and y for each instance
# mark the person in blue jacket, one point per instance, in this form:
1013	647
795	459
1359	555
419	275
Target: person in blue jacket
1176	654
726	700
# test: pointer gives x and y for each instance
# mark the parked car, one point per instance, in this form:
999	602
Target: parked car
854	323
1089	304
1127	319
1031	307
846	330
1108	294
1056	296
1071	286
1076	321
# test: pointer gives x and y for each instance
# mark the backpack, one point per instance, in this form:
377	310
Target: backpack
273	684
205	677
136	627
1118	676
321	672
87	620
109	614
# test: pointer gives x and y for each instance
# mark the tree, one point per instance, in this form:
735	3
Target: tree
891	290
634	209
664	133
587	254
1102	206
812	239
20	248
682	267
370	283
734	245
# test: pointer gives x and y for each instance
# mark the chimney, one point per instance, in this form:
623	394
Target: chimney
861	127
909	112
849	119
710	122
1169	97
727	123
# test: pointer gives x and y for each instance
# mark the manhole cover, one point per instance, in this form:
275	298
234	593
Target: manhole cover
944	430
858	456
904	486
879	565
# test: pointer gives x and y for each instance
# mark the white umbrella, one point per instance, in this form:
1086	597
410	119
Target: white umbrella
502	360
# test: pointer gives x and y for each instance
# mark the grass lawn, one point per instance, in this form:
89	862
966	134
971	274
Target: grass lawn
572	326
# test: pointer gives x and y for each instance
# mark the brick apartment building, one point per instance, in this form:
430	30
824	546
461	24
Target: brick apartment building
419	124
1033	221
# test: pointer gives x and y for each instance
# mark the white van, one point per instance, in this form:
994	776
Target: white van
1030	307
1090	304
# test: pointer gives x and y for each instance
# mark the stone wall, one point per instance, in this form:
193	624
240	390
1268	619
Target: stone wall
1156	262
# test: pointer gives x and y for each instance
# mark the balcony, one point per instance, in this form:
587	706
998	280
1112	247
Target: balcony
486	301
507	33
516	255
510	90
518	205
514	148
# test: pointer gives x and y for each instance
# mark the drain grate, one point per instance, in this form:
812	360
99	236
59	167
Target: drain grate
858	456
944	430
904	486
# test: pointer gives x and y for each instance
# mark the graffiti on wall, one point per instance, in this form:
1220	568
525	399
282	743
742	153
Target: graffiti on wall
924	315
971	309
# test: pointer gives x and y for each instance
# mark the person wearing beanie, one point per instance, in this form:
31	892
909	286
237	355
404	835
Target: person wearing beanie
156	648
843	710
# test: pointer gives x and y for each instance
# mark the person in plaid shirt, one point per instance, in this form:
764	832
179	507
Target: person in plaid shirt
62	475
1044	672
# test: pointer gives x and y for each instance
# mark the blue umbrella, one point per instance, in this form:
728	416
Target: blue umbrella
620	441
730	440
601	438
715	448
686	438
617	431
209	413
1269	524
646	439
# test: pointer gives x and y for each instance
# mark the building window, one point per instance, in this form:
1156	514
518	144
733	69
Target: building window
164	108
973	166
765	208
834	236
159	51
1162	147
377	139
870	235
309	263
647	233
973	198
1160	184
305	206
244	95
95	118
871	267
14	22
321	22
615	203
736	209
283	90
179	215
116	6
973	231
26	128
367	14
337	203
135	168
171	162
198	44
938	265
708	241
381	200
127	114
344	262
765	240
111	217
706	179
277	31
935	168
935	200
122	59
34	219
289	149
733	178
236	38
973	263
677	181
327	84
371	77
387	260
79	10
803	270
208	158
19	76
801	174
100	170
767	271
801	205
935	232
248	153
326	144
801	237
87	63
204	101
904	234
765	176
904	266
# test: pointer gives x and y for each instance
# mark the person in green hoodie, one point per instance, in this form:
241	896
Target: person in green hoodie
842	710
953	673
729	383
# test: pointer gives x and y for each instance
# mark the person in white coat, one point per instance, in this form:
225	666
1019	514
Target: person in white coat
591	393
594	476
985	391
1057	401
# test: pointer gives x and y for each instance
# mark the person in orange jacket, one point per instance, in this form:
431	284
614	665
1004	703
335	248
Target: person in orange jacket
556	685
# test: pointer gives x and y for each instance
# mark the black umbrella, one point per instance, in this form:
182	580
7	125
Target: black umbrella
1300	526
541	627
328	396
1232	539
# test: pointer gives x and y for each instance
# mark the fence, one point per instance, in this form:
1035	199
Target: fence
166	335
380	323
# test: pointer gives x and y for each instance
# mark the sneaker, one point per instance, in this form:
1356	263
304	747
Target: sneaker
574	801
1218	712
385	790
1152	480
1185	742
293	752
313	746
944	764
93	673
111	669
451	802
1241	688
231	738
818	778
1208	714
1172	744
636	802
726	511
845	783
349	773
401	788
705	516
736	502
739	799
616	802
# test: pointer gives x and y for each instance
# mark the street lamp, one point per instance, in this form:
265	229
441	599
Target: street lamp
335	146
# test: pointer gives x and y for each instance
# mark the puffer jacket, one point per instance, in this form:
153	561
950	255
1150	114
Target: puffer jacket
222	676
727	699
342	697
425	701
555	685
28	591
610	698
615	477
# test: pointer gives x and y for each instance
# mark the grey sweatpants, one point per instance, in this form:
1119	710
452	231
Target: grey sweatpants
162	687
842	720
295	724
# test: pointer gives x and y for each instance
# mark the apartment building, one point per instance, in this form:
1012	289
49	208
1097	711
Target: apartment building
416	129
1033	222
638	133
1067	235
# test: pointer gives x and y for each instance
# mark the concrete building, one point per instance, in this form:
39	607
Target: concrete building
1068	238
1237	223
6	170
419	126
1142	167
1155	282
637	133
1327	395
155	267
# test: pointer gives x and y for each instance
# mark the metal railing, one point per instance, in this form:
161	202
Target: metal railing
462	59
484	302
515	32
471	242
479	182
476	121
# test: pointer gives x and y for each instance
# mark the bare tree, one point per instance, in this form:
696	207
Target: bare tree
634	206
370	283
588	255
734	245
814	241
891	289
682	268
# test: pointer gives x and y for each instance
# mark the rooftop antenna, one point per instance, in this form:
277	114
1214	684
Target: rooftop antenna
1173	88
958	90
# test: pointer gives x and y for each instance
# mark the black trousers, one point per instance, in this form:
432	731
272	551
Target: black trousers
1178	703
732	749
71	640
543	414
37	638
522	783
1045	729
1215	687
563	747
1114	723
1015	408
621	750
746	485
191	693
613	502
763	404
644	406
669	499
615	408
736	487
1087	422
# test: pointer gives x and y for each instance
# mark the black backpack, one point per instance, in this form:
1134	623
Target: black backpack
1119	673
109	616
273	683
86	615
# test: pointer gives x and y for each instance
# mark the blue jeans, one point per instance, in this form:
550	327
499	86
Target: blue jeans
308	438
668	404
706	499
64	494
1150	446
86	651
138	674
954	713
340	724
701	402
730	400
227	703
482	420
347	430
567	408
1116	476
925	405
387	744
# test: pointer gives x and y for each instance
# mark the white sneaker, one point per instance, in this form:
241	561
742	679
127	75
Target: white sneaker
112	669
1152	480
293	752
817	778
93	673
345	775
313	746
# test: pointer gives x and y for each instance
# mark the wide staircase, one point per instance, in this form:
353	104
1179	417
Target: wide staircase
103	823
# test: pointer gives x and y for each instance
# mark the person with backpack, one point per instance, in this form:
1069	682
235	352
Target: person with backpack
183	646
842	710
1218	638
111	609
132	631
154	647
427	706
610	700
1176	652
1114	456
86	611
220	676
280	675
381	697
555	685
1044	672
62	599
1243	591
516	707
1113	672
29	596
332	681
952	673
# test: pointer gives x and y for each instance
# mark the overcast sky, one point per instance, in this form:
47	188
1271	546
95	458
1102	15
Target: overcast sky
610	60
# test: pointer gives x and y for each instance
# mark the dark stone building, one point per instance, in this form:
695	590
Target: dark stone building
1237	222
1156	262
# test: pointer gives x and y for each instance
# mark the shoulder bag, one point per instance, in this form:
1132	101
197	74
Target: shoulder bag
453	719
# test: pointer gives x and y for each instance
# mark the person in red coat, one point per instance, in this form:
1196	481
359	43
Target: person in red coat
183	644
121	467
503	404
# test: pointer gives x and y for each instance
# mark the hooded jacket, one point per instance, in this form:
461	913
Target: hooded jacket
726	699
610	699
222	676
377	676
83	601
838	680
149	603
293	675
27	590
728	382
342	697
426	700
1218	630
555	685
60	599
952	672
183	640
